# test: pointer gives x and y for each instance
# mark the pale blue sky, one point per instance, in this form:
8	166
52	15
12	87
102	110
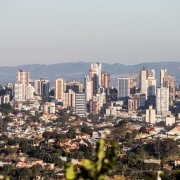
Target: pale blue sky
112	31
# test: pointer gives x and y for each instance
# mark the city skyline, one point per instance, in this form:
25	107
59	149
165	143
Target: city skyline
124	32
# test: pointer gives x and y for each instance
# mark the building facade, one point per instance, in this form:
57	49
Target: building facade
170	82
80	104
150	115
88	88
143	75
59	89
105	81
29	92
19	92
162	100
123	88
163	74
97	68
22	77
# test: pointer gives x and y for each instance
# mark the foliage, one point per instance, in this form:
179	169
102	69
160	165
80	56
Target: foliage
6	108
87	130
93	117
98	170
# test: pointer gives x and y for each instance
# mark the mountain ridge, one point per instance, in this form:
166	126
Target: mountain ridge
77	70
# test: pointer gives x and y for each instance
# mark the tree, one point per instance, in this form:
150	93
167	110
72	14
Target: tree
93	117
157	148
36	169
25	173
97	170
87	130
7	168
6	108
119	168
150	176
71	133
143	130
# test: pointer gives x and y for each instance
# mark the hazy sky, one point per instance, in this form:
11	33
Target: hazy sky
112	31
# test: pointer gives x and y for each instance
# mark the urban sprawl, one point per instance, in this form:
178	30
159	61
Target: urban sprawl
43	127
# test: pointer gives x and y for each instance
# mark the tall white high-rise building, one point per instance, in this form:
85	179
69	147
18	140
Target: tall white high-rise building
59	89
88	88
162	100
150	115
147	82
19	92
69	99
163	74
143	76
29	92
151	73
80	104
123	87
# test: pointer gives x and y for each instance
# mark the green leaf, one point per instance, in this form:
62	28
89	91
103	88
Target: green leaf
87	164
7	178
69	173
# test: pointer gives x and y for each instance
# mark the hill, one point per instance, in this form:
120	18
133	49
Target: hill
77	70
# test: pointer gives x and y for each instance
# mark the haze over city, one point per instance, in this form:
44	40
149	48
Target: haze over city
89	90
127	32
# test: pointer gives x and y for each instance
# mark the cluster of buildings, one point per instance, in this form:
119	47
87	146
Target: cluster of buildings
156	100
91	95
24	89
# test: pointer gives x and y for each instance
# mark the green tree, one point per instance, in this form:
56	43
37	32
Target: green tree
98	170
25	174
71	133
36	169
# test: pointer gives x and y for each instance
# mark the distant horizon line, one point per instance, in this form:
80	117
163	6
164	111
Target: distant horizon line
91	62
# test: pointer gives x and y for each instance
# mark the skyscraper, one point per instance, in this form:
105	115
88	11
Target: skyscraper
170	82
123	88
22	77
60	88
88	88
150	115
41	87
76	86
151	74
163	74
45	87
94	79
162	100
105	81
143	75
97	67
19	92
132	84
37	87
95	76
69	99
29	92
151	86
80	104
